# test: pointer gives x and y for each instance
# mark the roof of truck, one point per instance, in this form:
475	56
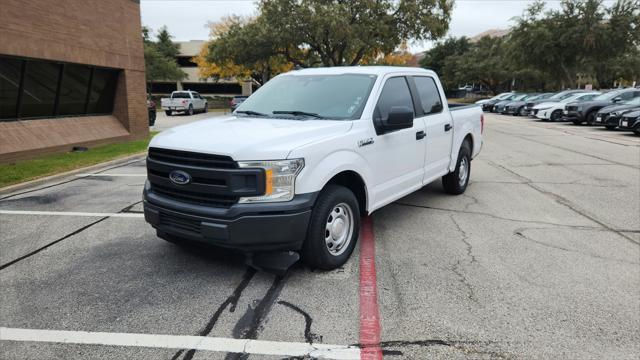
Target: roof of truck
369	70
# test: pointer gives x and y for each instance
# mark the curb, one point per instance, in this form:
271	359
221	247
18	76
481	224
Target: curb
8	190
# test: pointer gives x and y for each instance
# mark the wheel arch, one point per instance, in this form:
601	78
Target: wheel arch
354	182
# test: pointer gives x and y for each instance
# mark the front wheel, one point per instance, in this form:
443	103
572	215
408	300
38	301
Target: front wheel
167	112
333	229
591	118
456	182
556	115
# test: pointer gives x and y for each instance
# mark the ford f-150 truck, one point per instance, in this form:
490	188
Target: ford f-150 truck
294	168
184	101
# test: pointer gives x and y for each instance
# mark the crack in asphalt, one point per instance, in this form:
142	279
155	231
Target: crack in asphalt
563	201
251	323
521	233
527	138
308	321
230	302
71	234
496	216
465	240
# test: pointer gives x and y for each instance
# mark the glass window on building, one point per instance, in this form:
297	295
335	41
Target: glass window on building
32	89
9	86
39	89
103	89
74	89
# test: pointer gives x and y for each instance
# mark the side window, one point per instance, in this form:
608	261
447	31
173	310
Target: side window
429	95
394	93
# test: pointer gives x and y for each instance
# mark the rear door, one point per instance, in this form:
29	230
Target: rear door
439	127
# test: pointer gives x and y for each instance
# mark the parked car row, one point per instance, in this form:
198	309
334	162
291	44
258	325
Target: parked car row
613	109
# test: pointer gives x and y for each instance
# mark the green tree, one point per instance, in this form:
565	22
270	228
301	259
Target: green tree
485	63
437	57
159	66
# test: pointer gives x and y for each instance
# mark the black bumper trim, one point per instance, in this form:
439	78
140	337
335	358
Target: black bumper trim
245	227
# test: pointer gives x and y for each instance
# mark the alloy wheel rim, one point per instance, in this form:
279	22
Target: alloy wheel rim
339	229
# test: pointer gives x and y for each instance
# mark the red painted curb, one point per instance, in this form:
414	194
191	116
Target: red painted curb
369	312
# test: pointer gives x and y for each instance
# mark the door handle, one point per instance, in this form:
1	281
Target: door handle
447	127
421	135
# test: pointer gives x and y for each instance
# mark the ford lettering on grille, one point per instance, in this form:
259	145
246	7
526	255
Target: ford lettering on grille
179	177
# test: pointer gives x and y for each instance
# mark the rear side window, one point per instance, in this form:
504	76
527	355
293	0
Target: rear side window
394	93
429	95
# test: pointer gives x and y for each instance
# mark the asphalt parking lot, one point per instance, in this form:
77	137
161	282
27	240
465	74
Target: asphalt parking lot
540	258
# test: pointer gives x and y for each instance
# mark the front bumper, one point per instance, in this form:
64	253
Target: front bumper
244	227
570	115
607	120
629	124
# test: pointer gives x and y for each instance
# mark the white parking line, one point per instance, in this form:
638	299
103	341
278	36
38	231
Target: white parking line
111	175
71	213
257	347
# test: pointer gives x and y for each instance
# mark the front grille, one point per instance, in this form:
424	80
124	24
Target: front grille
208	161
215	180
535	111
179	222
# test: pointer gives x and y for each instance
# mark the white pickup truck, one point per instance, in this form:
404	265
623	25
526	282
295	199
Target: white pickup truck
188	101
294	168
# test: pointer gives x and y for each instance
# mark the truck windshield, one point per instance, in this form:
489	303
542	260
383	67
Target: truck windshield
335	97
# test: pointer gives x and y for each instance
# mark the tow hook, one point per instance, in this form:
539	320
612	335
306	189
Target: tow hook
273	262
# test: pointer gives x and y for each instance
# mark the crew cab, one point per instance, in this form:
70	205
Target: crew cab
586	111
290	173
188	101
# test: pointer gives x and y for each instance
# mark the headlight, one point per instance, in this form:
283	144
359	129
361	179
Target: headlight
579	108
280	179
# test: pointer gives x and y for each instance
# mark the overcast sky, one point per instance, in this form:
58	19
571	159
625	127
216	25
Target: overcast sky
187	19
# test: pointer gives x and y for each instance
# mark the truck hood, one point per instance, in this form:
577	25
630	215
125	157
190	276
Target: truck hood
246	138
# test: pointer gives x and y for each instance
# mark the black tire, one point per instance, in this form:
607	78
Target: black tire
206	108
315	251
556	115
591	118
521	111
576	121
610	127
637	132
452	182
190	111
168	112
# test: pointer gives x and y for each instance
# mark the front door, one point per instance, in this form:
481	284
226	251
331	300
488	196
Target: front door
396	156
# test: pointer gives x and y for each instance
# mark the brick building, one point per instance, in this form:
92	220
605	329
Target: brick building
71	74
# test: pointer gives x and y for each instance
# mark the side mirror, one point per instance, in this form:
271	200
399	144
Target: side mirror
617	99
400	117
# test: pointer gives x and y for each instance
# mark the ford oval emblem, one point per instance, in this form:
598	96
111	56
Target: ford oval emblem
179	177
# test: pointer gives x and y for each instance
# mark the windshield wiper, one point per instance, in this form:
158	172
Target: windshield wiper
251	112
299	113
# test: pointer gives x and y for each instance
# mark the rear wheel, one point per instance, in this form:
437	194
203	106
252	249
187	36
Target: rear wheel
190	111
456	182
206	108
333	229
556	115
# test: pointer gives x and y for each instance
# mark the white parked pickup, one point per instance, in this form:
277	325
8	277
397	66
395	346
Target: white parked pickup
188	101
294	168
